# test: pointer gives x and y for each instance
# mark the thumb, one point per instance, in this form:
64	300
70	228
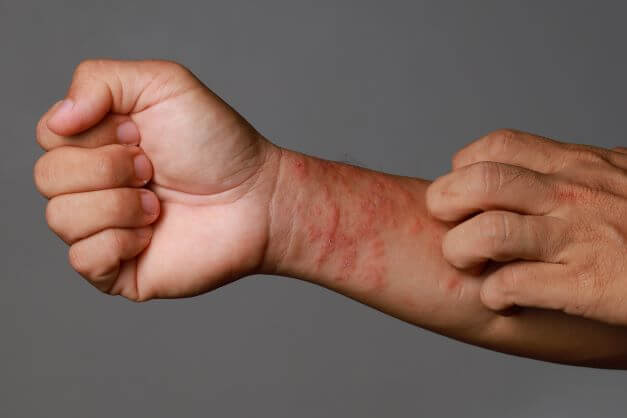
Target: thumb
102	86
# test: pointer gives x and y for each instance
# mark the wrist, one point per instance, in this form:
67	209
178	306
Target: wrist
303	216
281	210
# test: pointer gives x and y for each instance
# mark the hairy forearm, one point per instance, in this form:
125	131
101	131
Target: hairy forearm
368	236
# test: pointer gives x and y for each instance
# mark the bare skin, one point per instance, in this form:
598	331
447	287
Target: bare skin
228	204
556	211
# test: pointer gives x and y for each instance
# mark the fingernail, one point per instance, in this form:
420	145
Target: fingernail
144	232
62	111
143	168
128	133
149	202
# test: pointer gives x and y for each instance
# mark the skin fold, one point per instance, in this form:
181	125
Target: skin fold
216	201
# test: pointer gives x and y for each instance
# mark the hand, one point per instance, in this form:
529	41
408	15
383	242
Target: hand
204	220
557	211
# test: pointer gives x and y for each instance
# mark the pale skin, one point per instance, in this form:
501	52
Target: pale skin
223	202
556	212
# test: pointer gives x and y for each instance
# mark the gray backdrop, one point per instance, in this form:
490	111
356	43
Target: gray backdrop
396	86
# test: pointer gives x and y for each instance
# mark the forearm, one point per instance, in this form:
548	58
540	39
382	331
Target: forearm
367	235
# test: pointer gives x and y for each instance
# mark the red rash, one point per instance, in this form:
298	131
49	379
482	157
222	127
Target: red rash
344	231
452	283
575	194
329	236
299	165
417	226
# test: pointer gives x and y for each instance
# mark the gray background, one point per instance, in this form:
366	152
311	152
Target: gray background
396	86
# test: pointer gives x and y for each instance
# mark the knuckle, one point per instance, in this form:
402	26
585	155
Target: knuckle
57	222
498	143
43	174
89	64
509	281
486	178
495	230
85	66
459	158
52	215
489	147
40	132
101	273
502	135
176	68
167	72
77	260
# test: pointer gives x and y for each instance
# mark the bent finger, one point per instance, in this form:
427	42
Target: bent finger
515	148
98	257
528	284
74	170
488	186
504	236
76	216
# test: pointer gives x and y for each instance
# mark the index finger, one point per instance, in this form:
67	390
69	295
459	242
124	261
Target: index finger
489	186
511	147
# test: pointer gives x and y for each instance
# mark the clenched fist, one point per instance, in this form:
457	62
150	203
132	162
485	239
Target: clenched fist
159	187
557	212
